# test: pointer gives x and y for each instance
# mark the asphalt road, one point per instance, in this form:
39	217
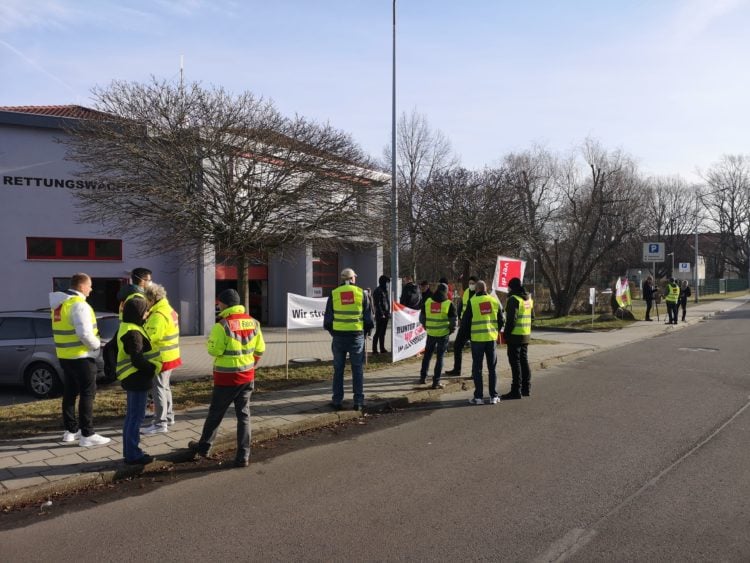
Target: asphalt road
635	454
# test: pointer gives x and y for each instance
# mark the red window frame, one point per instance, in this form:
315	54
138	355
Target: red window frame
58	255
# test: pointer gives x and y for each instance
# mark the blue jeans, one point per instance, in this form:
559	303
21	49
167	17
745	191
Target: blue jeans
479	352
434	343
354	345
131	429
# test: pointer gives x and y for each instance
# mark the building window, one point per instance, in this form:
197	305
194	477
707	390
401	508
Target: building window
43	248
325	271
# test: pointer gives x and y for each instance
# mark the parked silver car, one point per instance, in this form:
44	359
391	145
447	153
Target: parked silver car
27	350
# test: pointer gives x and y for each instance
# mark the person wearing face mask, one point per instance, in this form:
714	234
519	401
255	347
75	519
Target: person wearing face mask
462	337
141	279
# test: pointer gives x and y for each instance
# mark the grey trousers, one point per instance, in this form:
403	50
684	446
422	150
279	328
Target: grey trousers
162	395
221	398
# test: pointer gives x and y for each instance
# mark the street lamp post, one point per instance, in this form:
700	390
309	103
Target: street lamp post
671	272
533	281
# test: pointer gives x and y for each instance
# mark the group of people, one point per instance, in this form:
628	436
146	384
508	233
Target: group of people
143	353
676	297
146	350
350	317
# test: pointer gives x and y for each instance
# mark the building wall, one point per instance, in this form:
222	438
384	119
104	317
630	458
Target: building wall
30	153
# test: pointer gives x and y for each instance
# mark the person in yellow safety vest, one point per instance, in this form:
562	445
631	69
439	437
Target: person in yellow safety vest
77	346
141	278
438	316
236	344
482	321
163	328
462	338
672	299
138	362
518	314
348	318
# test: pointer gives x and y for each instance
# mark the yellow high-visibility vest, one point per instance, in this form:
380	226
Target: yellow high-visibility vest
124	366
436	317
67	344
484	310
523	316
348	312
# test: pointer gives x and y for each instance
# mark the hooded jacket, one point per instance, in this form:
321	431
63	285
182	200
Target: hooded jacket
381	301
135	345
81	319
441	295
511	311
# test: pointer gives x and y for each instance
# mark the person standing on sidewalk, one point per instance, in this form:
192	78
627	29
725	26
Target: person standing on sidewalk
410	296
237	345
672	297
482	321
683	299
141	278
348	318
648	296
381	298
424	293
438	316
462	338
518	314
138	362
163	329
77	346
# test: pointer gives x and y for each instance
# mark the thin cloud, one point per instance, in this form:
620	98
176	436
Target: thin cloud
36	66
696	17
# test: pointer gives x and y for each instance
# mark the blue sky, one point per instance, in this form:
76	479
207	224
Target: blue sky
667	81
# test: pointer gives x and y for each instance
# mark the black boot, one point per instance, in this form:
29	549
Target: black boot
514	393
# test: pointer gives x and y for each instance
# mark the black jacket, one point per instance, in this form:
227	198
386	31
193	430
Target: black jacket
410	296
136	345
381	301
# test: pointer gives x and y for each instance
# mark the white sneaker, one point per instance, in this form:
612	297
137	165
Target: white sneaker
70	436
494	400
154	429
93	440
476	401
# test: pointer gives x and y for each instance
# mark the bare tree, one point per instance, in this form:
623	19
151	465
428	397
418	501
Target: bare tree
727	203
194	167
470	218
576	214
422	154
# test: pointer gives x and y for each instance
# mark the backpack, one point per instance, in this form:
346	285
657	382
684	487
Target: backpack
109	355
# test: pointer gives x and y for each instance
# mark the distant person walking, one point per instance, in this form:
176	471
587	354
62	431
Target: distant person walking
163	329
648	296
518	314
683	299
348	319
236	344
672	297
438	316
77	345
483	320
381	298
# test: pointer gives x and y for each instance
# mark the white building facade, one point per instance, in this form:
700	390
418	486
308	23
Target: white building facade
43	242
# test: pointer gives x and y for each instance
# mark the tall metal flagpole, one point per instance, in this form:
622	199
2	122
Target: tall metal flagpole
394	185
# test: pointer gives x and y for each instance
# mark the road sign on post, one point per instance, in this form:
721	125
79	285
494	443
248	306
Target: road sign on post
653	252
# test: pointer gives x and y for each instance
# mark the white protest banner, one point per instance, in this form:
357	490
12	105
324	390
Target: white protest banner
409	336
505	270
304	312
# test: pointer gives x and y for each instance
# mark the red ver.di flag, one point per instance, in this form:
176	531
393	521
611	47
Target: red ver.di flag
505	270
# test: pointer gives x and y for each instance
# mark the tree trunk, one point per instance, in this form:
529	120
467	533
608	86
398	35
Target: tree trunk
242	281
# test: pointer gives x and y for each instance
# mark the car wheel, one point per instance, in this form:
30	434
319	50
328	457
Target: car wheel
42	380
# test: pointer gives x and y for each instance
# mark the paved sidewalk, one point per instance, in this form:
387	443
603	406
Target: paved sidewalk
35	468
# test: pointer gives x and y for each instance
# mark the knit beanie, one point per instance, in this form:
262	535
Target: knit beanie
229	297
